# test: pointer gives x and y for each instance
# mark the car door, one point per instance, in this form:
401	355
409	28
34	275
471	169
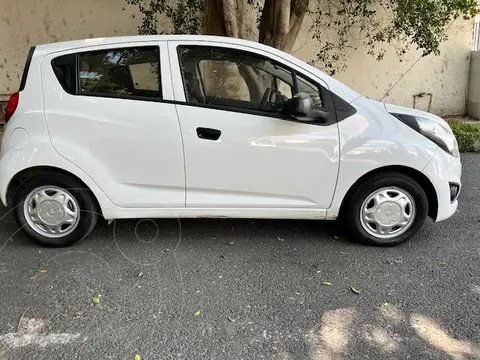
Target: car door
240	151
106	112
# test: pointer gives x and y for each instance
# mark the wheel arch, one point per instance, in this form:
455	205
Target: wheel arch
414	174
28	173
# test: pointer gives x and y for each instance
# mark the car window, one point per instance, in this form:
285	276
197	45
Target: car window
120	72
307	87
64	69
234	78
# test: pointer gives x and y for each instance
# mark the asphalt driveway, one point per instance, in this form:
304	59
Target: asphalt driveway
242	289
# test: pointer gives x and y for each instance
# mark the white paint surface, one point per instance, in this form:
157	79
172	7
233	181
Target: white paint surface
18	340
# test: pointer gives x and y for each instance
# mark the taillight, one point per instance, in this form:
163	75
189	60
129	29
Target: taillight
11	106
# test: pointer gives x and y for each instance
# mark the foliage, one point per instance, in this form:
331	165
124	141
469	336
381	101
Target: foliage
185	15
337	25
467	134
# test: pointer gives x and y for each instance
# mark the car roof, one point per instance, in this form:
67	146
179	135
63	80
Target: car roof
74	44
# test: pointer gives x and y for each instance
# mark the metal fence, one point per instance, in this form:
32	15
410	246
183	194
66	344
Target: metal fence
476	36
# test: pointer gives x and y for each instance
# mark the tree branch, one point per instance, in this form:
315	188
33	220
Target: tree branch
294	30
283	23
266	22
231	25
213	20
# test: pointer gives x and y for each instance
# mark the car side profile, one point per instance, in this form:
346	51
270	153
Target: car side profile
200	126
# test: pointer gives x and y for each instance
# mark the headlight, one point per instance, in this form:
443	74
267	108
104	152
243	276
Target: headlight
439	134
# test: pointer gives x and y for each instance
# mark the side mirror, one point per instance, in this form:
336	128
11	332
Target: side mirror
301	108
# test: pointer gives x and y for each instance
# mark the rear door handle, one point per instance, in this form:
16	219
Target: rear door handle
208	134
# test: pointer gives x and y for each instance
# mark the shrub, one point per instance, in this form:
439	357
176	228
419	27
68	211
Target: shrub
468	136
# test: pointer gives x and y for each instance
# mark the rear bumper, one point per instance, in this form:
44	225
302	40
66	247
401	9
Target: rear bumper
7	171
443	171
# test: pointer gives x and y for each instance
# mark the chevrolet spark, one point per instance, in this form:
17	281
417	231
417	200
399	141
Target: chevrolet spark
199	126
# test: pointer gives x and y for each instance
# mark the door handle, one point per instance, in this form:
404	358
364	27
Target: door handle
208	134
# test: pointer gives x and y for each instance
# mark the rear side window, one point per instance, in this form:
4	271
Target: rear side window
125	72
120	72
64	69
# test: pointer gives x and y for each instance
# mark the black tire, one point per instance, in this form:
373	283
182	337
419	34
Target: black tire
87	208
352	212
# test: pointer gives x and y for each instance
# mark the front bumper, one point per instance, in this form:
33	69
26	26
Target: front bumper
445	170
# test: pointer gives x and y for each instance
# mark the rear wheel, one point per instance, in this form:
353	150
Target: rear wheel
55	210
386	210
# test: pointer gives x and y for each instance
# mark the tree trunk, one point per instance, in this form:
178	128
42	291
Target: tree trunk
280	21
225	18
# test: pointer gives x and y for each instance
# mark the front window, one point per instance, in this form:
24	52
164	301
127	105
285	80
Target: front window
238	79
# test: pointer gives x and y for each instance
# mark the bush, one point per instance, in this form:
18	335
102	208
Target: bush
468	136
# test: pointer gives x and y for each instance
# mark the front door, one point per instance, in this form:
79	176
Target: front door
240	151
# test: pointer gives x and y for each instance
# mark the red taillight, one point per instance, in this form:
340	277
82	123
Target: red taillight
11	106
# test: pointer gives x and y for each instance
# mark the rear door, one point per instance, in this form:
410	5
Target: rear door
105	112
240	152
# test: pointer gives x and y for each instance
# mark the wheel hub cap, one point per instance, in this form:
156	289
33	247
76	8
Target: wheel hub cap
387	212
51	211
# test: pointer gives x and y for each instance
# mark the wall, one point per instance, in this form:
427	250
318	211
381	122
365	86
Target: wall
473	102
444	76
24	23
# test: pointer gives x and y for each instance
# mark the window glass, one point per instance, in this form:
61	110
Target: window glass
229	77
307	87
64	69
121	72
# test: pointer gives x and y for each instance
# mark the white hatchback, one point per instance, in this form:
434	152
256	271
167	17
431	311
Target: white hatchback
199	126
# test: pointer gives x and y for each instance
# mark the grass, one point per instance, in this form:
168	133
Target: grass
467	134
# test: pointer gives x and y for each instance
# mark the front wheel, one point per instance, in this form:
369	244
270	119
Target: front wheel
55	210
386	210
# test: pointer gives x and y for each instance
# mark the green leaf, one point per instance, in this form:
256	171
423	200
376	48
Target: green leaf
96	300
197	313
137	357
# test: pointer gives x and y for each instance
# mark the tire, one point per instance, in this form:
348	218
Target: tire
386	210
55	198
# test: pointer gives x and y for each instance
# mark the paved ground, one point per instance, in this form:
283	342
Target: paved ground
239	289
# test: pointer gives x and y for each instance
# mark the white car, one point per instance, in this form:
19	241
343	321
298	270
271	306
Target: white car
199	126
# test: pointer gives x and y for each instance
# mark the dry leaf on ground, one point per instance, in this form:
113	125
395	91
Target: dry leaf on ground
354	290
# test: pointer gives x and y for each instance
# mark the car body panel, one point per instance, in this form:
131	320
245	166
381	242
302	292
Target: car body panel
131	148
372	139
258	161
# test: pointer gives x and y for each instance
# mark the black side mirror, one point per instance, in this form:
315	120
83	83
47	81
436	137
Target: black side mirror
301	108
